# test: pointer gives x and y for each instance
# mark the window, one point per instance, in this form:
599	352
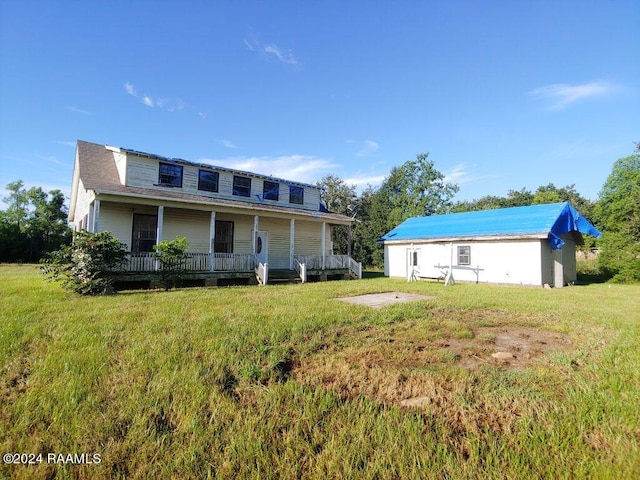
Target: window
170	175
144	233
208	180
241	186
296	195
414	258
464	255
224	237
270	191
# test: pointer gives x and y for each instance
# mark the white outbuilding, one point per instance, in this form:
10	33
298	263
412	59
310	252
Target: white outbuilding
531	245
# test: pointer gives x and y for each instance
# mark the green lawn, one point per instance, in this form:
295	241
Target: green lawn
283	381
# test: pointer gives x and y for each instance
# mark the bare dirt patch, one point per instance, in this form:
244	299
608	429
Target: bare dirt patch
436	364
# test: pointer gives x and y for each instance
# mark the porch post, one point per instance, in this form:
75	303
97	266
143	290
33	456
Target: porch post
292	241
159	230
212	240
160	223
256	225
96	214
89	226
349	239
324	243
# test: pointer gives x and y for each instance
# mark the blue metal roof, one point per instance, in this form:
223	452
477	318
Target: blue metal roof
551	219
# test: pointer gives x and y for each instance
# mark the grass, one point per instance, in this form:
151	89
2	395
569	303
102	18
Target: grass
283	382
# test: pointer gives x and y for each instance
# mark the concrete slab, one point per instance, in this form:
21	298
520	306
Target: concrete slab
379	300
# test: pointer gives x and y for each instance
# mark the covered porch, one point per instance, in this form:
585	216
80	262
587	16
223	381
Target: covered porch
224	241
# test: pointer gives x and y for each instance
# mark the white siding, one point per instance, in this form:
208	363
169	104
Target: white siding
117	219
513	261
82	205
193	224
308	238
278	241
143	172
121	165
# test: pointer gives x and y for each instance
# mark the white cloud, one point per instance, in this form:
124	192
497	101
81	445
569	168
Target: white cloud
272	49
361	182
301	168
52	159
168	104
202	115
130	89
563	95
227	143
68	144
75	109
369	148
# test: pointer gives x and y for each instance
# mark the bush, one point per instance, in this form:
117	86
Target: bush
619	257
87	265
171	255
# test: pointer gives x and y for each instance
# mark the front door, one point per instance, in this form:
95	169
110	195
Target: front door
262	247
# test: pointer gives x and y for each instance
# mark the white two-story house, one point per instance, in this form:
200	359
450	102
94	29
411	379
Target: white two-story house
238	224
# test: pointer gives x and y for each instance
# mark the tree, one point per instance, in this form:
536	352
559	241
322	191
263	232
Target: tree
618	214
33	224
415	188
338	197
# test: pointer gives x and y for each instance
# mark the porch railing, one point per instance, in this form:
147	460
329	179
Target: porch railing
262	273
301	269
193	262
331	262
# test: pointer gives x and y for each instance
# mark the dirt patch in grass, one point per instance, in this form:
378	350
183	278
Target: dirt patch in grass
439	365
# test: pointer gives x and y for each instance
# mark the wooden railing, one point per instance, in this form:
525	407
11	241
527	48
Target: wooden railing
234	262
301	269
331	262
262	273
193	262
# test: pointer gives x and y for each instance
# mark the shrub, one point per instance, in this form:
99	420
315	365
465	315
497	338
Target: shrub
87	265
171	255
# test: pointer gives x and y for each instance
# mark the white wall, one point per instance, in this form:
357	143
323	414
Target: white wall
514	261
143	172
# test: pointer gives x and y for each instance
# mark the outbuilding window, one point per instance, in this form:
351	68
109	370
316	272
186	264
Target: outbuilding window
464	255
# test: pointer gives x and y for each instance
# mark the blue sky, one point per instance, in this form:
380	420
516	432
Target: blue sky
502	94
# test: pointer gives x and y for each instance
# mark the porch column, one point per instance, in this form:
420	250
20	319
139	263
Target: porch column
292	241
159	230
324	243
212	241
349	239
160	223
256	225
96	214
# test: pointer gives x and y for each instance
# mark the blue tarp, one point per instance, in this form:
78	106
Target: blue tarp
552	220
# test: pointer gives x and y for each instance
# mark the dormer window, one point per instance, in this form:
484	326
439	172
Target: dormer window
270	190
208	180
241	186
296	195
170	175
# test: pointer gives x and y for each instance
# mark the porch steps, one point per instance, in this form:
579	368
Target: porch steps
283	276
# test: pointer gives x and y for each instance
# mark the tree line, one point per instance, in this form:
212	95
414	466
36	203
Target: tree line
34	223
417	188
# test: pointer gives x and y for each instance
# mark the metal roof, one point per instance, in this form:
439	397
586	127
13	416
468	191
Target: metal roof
551	220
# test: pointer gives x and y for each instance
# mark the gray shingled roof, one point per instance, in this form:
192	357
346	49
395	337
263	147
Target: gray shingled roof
98	172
